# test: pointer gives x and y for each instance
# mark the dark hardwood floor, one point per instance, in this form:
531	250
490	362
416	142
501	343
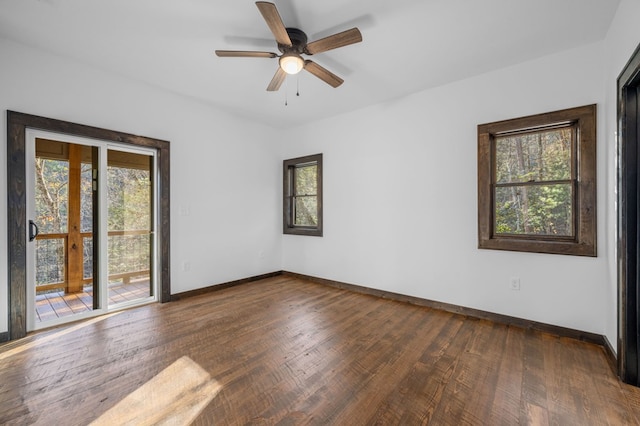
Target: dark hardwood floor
285	351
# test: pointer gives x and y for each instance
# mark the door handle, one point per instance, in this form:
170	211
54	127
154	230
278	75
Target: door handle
33	230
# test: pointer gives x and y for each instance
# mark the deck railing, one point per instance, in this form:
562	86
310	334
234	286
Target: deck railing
128	258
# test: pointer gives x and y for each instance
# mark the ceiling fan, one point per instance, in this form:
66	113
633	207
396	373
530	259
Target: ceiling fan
292	43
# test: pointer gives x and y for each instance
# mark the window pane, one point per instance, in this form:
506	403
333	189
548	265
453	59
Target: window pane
129	219
129	197
540	156
50	258
535	210
86	198
306	213
305	179
52	182
87	256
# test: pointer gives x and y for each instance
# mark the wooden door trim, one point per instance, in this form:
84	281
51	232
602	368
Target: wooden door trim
17	124
628	85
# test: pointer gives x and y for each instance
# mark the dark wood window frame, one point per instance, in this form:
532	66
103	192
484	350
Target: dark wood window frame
583	243
288	209
17	124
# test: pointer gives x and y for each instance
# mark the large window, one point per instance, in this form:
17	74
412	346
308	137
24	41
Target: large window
302	209
537	183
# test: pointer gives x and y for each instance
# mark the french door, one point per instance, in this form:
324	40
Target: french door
91	209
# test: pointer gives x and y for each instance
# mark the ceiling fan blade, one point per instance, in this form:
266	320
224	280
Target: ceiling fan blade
344	38
323	74
277	80
244	54
274	21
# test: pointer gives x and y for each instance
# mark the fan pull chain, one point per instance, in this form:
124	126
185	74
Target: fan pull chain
286	92
298	85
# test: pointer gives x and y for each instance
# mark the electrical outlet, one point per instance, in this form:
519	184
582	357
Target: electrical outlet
514	283
186	266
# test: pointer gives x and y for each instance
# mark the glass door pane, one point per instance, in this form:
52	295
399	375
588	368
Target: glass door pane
130	224
64	206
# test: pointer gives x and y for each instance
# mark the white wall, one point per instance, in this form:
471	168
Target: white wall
621	41
222	168
400	197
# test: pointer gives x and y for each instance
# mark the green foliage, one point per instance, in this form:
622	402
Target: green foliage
52	184
129	209
306	201
129	199
533	194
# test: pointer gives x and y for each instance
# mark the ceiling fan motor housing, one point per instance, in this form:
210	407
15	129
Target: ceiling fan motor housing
298	42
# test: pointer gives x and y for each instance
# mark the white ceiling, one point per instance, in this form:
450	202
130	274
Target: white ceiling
409	45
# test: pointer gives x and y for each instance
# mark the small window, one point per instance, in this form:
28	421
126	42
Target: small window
302	209
537	183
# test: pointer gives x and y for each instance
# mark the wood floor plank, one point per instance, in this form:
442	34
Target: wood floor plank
559	384
534	385
506	404
75	303
423	380
287	351
478	371
335	392
385	390
44	310
87	299
451	370
55	305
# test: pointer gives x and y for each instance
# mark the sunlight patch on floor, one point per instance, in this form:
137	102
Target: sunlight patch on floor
175	396
28	344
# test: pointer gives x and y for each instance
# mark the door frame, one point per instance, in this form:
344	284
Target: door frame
17	124
628	89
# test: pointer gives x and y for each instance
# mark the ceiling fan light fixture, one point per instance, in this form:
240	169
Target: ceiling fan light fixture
291	63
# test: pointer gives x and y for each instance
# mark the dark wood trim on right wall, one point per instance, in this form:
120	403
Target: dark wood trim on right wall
628	148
